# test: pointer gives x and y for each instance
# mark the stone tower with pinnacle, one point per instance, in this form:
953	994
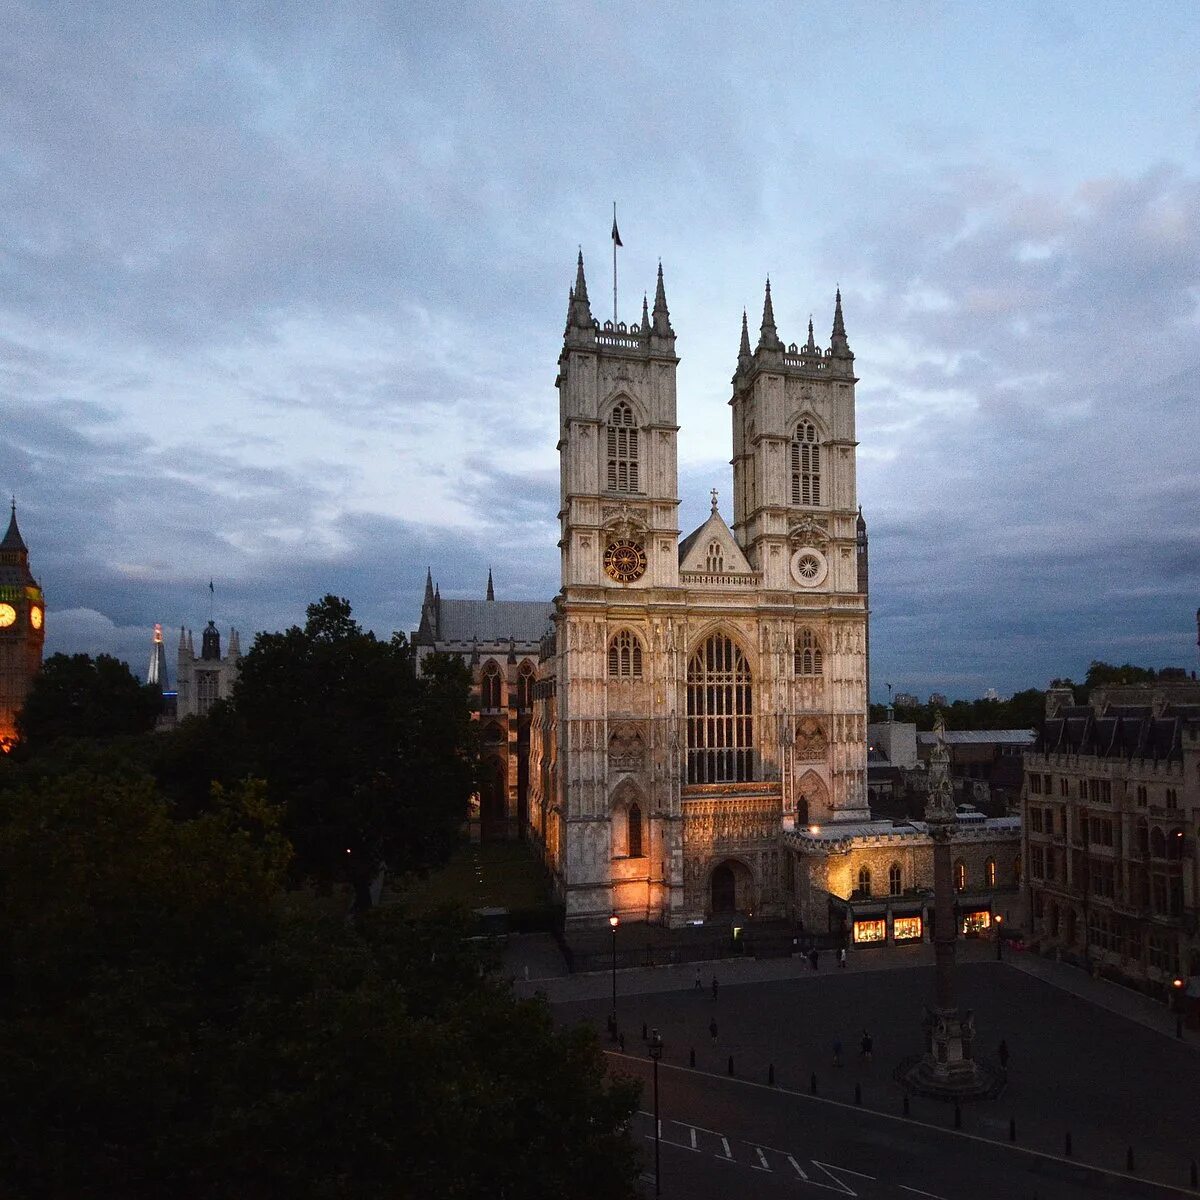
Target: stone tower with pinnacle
22	629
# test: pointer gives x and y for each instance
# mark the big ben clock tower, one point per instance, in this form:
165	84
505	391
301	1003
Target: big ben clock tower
22	629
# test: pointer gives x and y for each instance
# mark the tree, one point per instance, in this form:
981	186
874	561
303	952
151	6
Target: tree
76	696
373	762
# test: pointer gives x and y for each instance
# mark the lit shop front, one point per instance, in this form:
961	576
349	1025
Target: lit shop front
889	928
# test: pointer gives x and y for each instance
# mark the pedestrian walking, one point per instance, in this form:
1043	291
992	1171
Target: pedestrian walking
837	1051
867	1046
1002	1054
699	985
842	957
814	958
714	989
712	1028
621	1040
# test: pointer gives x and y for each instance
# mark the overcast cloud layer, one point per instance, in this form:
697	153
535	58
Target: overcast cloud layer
281	299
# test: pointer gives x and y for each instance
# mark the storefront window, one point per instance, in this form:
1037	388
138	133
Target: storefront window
975	923
867	932
906	929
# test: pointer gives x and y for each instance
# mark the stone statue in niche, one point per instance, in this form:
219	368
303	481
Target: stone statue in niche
812	744
626	748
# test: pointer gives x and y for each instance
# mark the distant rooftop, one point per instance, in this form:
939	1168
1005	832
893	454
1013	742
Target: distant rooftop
981	737
492	620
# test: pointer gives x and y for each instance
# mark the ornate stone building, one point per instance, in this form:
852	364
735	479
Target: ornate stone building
699	697
22	629
202	681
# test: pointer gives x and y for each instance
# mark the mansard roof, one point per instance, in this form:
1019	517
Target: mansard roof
492	620
1119	731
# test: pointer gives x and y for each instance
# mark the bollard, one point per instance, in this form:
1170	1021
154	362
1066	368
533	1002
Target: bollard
858	1093
731	1064
692	1057
906	1104
1012	1129
812	1083
645	1035
1129	1159
1067	1146
957	1116
771	1075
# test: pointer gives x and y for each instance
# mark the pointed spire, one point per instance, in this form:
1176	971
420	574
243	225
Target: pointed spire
579	314
491	592
662	318
860	524
12	539
838	345
768	335
811	344
428	587
645	314
744	347
580	282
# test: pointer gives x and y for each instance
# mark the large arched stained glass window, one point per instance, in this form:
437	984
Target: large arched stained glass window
720	729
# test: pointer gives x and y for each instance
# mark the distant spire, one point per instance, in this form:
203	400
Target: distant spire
662	318
580	282
838	344
428	586
860	523
714	501
768	335
579	315
645	314
744	354
491	592
12	539
157	671
811	344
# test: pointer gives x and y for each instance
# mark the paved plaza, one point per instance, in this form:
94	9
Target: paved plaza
1086	1059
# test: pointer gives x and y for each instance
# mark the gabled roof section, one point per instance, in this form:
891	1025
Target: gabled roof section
693	550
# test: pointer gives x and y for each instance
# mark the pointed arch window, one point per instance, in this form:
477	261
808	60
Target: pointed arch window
806	465
624	656
714	562
720	720
489	687
864	881
809	659
633	817
525	687
990	869
622	450
895	879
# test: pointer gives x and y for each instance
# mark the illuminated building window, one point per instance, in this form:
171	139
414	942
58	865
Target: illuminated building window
960	876
974	923
622	450
809	660
895	879
990	870
870	932
624	656
906	929
720	714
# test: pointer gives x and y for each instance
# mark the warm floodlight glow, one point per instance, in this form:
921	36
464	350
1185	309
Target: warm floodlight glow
614	920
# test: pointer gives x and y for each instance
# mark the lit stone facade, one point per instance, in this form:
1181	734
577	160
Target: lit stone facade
700	697
202	681
22	629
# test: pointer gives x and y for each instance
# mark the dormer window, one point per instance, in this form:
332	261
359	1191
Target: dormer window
622	450
806	465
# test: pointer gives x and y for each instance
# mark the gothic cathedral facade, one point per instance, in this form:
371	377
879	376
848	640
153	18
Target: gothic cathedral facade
698	698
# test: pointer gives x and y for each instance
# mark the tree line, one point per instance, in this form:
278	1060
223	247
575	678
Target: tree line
197	997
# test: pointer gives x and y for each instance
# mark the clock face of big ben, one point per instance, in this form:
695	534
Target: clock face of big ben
8	615
624	561
35	617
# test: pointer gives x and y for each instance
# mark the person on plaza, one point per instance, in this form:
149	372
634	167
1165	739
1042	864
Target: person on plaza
1002	1054
842	957
621	1040
712	1028
814	958
837	1051
714	988
867	1046
699	985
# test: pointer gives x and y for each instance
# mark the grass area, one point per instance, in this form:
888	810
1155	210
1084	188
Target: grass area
492	874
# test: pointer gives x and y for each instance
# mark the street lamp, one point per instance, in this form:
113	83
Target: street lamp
656	1049
1176	1005
999	938
613	922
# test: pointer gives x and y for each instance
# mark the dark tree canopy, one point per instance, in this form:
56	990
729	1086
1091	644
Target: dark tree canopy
1025	710
77	696
172	1025
372	761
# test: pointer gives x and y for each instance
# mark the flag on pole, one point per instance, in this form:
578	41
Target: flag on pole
616	236
211	588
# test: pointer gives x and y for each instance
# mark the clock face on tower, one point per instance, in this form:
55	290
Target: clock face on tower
35	617
624	561
8	615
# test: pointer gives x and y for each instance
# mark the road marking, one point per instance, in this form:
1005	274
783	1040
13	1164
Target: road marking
725	1143
762	1158
796	1165
917	1191
692	1131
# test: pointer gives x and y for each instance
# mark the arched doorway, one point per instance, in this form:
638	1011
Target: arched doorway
724	889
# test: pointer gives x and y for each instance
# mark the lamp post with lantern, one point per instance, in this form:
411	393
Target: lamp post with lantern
655	1049
613	922
999	938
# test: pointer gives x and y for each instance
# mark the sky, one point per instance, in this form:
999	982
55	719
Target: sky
282	291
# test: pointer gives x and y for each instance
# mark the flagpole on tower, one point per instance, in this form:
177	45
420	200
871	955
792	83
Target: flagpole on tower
616	240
